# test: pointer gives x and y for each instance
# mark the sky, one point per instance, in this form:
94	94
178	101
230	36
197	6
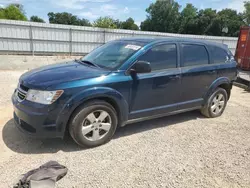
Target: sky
118	9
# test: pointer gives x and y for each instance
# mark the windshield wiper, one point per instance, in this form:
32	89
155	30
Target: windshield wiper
87	62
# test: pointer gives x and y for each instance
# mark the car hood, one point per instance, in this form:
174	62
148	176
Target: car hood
46	76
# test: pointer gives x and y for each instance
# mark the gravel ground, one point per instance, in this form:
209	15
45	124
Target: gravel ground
185	150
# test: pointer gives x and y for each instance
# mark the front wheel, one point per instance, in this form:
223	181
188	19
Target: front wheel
93	124
215	104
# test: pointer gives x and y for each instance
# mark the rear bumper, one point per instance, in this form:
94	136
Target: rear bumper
37	120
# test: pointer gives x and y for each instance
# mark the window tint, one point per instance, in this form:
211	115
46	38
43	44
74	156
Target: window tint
194	55
161	57
219	55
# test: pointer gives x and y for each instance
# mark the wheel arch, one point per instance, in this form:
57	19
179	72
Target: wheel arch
109	95
228	88
222	82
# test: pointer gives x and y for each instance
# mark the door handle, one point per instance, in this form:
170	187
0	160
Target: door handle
211	71
164	82
175	77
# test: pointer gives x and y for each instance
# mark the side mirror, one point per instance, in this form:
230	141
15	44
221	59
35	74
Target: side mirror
141	67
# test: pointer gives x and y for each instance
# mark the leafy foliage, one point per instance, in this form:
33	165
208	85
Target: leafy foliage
67	19
20	7
232	20
106	22
188	20
36	19
129	24
162	16
13	12
208	22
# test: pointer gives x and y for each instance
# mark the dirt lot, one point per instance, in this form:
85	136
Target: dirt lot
185	150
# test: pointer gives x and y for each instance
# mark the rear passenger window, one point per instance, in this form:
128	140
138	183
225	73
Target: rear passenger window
219	55
194	55
161	57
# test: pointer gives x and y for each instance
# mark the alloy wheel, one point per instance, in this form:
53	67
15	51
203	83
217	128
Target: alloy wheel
96	125
218	104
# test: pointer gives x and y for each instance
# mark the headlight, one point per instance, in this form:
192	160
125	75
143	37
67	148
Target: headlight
43	97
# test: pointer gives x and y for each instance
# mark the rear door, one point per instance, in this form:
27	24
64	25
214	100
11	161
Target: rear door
197	74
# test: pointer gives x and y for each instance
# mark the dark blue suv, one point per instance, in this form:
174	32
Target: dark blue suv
121	82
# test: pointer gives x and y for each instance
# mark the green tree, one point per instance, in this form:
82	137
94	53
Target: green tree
247	12
208	22
118	24
106	22
36	19
2	13
163	16
129	24
20	7
232	20
12	12
188	20
67	19
147	25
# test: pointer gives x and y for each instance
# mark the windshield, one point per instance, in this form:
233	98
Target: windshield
113	54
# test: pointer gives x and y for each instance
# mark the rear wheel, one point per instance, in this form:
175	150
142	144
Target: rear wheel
215	104
93	124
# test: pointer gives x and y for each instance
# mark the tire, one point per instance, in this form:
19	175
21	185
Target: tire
214	106
93	124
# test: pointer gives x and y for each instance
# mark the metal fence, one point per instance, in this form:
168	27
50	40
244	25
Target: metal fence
19	37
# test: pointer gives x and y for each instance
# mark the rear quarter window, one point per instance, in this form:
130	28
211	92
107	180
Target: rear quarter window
194	54
219	55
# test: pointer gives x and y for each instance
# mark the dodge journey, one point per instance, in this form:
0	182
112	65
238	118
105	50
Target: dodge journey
121	82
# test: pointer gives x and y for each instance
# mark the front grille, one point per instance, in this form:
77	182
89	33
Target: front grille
24	88
20	95
21	92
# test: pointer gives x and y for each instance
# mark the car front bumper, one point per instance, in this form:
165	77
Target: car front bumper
37	120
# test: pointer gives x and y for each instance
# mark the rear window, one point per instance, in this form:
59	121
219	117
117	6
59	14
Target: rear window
219	55
194	55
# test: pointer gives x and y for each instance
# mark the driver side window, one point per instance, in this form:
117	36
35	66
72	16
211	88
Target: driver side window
161	57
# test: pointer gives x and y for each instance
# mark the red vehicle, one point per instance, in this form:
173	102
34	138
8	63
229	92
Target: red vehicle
242	54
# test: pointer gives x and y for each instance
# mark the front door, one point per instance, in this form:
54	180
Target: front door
156	92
